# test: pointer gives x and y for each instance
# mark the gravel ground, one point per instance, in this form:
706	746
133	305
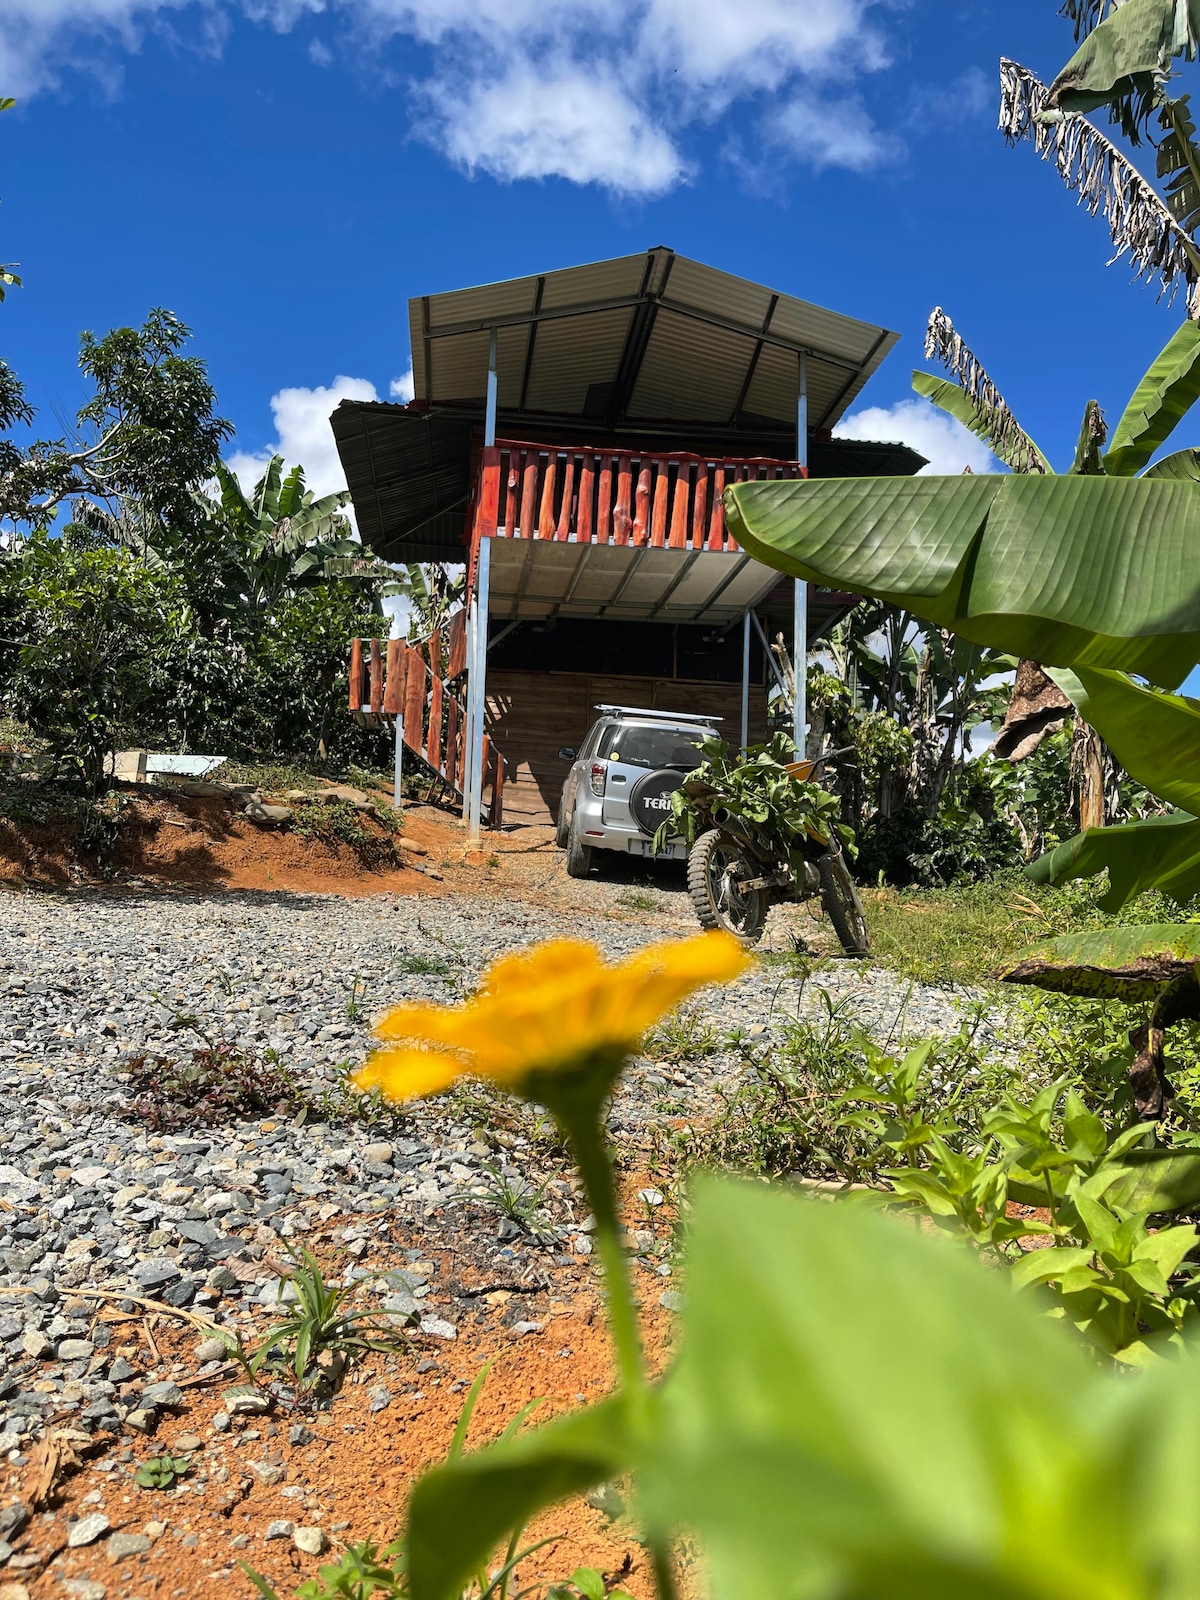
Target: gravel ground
90	1199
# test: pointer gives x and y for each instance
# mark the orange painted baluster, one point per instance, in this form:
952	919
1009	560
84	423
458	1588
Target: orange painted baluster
622	521
658	512
583	517
563	530
641	505
356	674
545	529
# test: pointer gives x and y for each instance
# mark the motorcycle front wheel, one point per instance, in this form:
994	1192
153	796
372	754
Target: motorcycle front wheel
842	905
714	868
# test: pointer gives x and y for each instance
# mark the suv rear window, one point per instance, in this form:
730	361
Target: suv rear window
639	746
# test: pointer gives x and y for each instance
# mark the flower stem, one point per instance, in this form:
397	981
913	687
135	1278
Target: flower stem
584	1128
596	1171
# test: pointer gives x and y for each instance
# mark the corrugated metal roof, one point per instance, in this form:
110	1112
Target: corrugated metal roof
642	348
651	337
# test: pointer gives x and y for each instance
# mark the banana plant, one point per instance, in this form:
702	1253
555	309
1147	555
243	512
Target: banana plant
284	535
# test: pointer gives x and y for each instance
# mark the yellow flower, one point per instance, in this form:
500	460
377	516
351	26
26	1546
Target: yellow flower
547	1010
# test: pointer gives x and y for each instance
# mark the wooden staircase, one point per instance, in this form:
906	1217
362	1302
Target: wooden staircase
421	684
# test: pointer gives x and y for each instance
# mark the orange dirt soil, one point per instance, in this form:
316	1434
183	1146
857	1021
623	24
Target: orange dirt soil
357	1470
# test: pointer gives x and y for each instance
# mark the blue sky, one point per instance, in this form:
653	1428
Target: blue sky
283	174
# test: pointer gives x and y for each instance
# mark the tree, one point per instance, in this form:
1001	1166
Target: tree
148	439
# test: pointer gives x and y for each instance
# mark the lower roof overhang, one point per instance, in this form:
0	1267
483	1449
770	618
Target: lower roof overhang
540	580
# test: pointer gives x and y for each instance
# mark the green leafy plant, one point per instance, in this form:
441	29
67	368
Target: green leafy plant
321	1323
684	1035
362	1571
585	1583
365	1569
215	1084
756	786
513	1198
337	822
421	965
162	1472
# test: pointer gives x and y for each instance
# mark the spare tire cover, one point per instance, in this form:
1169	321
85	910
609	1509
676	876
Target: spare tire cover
650	801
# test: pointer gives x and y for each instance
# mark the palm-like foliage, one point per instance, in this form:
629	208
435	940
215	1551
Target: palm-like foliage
280	535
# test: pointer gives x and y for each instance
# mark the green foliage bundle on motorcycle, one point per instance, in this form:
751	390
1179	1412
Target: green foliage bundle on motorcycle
757	786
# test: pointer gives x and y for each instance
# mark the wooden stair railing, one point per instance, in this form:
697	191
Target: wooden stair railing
396	679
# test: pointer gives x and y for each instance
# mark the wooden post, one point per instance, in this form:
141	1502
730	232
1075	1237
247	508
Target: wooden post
622	521
496	810
433	745
414	702
700	506
545	527
583	520
452	726
528	496
716	522
641	505
658	514
563	530
604	502
457	652
393	683
356	674
376	676
679	507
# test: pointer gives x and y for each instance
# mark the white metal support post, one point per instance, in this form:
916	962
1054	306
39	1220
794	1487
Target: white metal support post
800	625
468	744
478	684
745	680
489	415
472	778
399	731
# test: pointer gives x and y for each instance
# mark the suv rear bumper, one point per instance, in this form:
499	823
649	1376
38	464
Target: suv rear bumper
626	840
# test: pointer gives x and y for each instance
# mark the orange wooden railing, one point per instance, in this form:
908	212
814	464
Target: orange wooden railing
620	497
418	682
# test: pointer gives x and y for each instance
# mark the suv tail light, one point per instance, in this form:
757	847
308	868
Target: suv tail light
596	776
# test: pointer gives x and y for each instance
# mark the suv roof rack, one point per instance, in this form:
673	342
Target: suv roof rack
659	716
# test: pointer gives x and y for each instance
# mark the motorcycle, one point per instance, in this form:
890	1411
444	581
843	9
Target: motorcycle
738	868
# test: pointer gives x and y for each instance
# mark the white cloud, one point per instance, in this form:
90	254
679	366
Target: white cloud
829	133
304	435
569	122
401	388
592	91
945	443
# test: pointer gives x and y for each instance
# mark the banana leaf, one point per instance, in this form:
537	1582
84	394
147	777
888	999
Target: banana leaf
1169	389
1066	570
1182	464
1129	964
1158	853
1015	453
1121	57
1154	736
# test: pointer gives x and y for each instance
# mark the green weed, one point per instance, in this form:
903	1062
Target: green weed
162	1472
424	966
321	1333
638	900
682	1035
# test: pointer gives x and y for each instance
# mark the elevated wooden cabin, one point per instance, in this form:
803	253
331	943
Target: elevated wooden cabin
570	439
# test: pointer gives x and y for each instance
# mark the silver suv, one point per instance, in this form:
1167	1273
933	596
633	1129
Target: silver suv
619	787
